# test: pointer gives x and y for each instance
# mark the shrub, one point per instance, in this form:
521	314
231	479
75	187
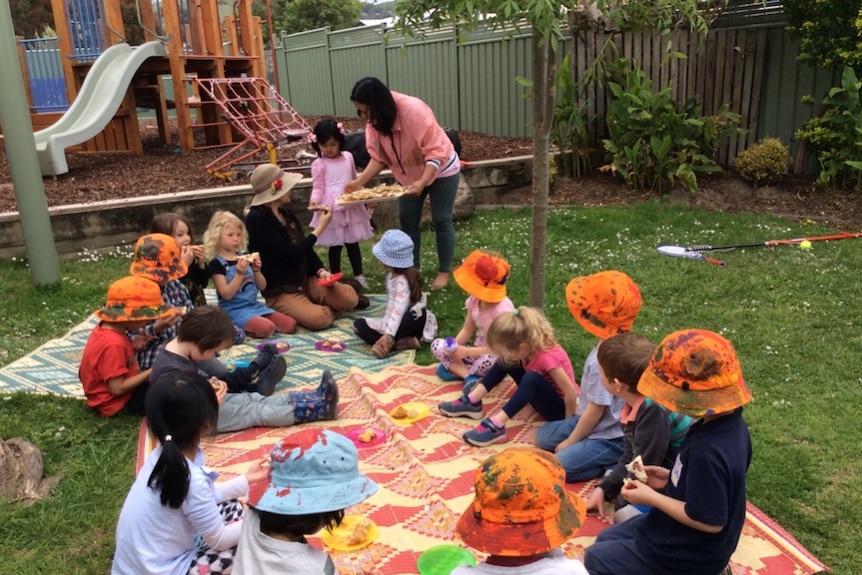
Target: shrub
764	162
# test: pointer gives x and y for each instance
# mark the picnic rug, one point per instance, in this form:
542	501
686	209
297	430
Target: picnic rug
425	472
53	367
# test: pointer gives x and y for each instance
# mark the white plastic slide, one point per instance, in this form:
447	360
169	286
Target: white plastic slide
101	95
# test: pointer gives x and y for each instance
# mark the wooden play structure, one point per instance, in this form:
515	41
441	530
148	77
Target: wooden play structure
216	71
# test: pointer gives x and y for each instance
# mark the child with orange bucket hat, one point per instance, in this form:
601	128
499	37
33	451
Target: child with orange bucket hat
483	275
591	441
521	514
158	258
108	371
698	506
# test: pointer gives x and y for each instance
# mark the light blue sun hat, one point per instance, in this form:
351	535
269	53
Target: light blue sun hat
395	249
312	471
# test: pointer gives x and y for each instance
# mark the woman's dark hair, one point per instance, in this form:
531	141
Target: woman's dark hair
207	327
183	407
414	281
298	526
325	130
381	105
165	223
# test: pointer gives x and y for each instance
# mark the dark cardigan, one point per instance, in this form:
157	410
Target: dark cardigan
287	255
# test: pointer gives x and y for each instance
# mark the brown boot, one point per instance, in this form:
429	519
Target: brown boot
383	346
407	343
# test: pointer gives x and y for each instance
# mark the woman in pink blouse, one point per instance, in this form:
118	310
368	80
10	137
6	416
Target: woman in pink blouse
403	135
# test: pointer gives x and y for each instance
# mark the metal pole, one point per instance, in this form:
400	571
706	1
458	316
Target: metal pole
23	161
272	47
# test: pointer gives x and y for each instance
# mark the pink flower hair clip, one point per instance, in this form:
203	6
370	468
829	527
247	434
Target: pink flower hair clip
312	137
340	127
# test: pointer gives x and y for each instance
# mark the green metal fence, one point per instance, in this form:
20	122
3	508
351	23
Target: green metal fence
471	81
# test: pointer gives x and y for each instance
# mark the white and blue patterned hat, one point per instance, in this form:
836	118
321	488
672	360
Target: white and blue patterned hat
312	471
395	249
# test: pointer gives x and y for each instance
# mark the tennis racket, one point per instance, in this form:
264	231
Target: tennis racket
697	251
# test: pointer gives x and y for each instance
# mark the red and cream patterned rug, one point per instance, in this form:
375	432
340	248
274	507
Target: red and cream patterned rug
425	472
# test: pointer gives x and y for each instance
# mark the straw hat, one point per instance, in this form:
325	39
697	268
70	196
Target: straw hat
605	303
157	257
395	249
483	275
312	471
269	183
695	372
132	299
521	506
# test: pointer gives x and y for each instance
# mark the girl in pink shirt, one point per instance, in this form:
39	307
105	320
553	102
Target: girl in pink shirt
403	135
523	340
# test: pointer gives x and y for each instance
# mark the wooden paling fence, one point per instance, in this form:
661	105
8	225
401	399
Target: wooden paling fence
724	67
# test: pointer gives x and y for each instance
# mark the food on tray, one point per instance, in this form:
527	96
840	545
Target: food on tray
359	533
636	469
367	436
380	192
402	412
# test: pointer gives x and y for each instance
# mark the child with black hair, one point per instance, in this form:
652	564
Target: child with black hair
208	330
314	475
175	500
330	172
407	321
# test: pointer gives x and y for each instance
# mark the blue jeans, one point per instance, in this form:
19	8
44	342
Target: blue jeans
615	551
586	459
532	388
441	194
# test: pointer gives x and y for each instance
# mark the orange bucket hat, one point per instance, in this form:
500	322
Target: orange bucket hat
521	506
483	275
157	257
695	372
605	303
131	299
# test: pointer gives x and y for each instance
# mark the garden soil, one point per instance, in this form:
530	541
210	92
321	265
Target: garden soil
99	177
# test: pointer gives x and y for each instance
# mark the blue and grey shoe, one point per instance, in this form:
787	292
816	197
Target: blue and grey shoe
485	434
462	407
446	375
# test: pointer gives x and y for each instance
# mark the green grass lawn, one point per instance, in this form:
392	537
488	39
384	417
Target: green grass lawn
793	315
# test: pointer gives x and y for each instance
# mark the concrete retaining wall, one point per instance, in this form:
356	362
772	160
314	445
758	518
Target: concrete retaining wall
108	224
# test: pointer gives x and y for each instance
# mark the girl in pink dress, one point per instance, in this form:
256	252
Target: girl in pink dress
330	172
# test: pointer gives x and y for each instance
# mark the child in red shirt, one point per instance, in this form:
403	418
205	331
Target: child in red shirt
109	371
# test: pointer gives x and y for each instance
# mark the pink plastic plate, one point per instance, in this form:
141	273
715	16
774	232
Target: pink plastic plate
332	279
281	346
330	345
379	437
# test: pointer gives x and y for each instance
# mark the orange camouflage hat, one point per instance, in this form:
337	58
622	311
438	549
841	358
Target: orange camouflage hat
521	506
157	257
483	275
695	372
131	299
605	303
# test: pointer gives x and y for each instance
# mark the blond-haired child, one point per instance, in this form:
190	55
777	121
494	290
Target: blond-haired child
238	279
523	340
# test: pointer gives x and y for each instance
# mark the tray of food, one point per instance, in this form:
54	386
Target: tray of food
381	193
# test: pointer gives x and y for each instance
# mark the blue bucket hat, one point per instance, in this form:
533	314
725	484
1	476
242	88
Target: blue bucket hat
395	249
312	471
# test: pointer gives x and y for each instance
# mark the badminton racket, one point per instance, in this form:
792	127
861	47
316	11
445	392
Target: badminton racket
697	251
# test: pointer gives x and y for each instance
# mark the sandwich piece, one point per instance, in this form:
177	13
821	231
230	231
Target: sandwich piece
367	436
636	469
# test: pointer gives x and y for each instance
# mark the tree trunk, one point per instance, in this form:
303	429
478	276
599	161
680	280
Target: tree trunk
544	70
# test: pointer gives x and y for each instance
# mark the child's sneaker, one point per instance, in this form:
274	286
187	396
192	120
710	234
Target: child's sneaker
470	383
270	376
360	279
485	434
446	375
462	407
407	343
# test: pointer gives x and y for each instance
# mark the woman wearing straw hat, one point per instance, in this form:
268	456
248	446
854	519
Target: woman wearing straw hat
292	269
